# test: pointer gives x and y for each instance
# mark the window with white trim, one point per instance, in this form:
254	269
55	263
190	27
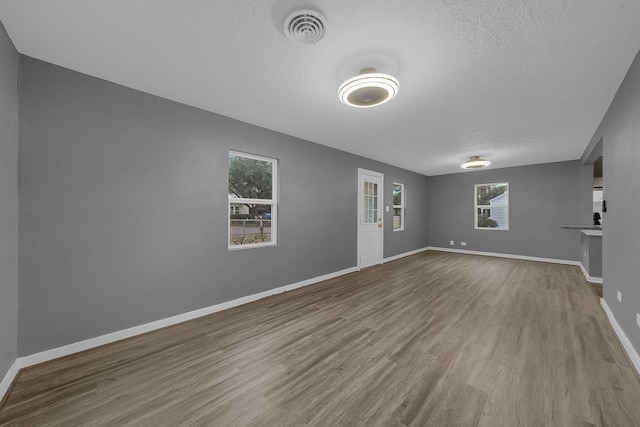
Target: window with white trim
399	197
253	200
491	206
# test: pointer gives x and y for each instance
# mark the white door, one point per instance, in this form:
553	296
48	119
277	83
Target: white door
370	229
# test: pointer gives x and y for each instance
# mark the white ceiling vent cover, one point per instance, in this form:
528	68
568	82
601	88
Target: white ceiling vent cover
304	27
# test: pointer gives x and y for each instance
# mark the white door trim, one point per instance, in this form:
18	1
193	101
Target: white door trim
359	210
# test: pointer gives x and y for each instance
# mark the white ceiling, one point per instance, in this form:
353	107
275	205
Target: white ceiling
515	81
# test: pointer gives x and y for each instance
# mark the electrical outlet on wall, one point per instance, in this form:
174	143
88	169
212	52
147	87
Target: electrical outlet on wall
619	296
463	243
451	242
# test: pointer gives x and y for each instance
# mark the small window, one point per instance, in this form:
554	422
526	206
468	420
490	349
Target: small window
252	201
399	197
492	206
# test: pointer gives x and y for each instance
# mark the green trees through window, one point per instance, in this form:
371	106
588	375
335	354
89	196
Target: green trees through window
252	200
250	179
492	206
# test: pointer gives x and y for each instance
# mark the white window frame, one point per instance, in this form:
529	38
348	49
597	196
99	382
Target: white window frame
476	206
401	206
273	202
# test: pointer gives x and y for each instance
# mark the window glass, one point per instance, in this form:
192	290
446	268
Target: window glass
492	206
252	200
398	206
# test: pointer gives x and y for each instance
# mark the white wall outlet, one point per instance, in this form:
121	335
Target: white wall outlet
451	242
463	243
638	319
386	208
619	296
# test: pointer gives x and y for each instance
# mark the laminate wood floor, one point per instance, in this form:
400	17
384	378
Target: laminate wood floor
435	339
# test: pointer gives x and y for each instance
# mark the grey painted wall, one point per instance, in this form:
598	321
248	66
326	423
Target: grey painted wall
415	234
8	203
591	248
620	133
123	209
541	197
587	193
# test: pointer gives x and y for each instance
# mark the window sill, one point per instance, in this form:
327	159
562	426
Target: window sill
254	246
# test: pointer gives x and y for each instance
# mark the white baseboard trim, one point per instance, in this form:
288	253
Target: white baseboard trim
589	278
11	374
395	257
626	344
45	356
523	257
500	255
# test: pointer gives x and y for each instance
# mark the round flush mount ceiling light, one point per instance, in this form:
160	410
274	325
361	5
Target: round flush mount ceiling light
475	162
368	89
304	27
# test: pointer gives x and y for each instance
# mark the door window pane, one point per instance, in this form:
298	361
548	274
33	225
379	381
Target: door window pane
370	202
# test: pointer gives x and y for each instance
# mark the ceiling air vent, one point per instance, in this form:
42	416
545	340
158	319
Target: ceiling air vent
304	27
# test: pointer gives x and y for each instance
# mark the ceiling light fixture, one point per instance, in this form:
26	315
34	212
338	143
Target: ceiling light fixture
475	162
368	89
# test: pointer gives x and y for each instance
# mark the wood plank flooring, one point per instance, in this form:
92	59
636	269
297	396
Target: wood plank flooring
434	339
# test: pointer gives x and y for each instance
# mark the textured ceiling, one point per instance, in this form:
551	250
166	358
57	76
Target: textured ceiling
515	81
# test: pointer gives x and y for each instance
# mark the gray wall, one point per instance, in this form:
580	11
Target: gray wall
8	203
587	193
591	249
123	209
415	234
620	133
541	197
